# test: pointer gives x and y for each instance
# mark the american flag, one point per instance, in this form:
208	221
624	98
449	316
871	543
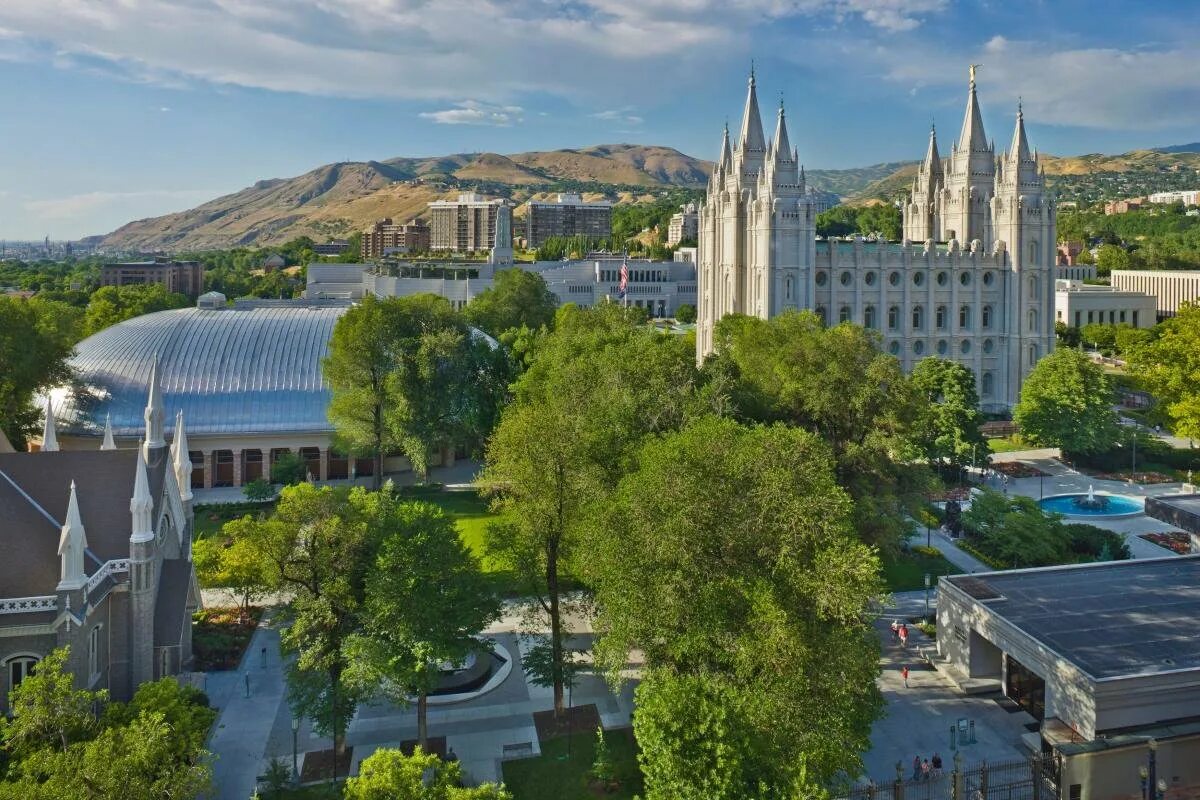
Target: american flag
624	279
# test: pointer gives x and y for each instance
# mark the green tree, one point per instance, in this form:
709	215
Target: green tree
388	774
1129	339
597	384
36	339
184	709
835	382
1067	402
233	560
949	429
318	546
287	469
1169	368
1015	531
786	589
427	602
516	298
1110	257
47	711
259	490
1068	336
686	314
1098	335
112	304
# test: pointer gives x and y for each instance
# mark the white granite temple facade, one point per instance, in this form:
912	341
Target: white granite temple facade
973	280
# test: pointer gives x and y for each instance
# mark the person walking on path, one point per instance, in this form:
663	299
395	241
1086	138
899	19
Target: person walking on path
925	770
904	636
904	673
936	762
916	767
895	629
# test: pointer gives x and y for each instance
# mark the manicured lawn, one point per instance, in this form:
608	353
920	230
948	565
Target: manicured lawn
552	776
1008	444
907	571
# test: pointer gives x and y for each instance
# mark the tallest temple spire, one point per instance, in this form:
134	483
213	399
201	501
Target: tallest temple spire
973	139
751	138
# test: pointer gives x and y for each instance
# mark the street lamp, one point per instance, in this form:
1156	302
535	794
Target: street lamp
295	749
1152	772
927	581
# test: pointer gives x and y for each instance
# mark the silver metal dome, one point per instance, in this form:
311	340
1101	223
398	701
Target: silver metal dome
231	370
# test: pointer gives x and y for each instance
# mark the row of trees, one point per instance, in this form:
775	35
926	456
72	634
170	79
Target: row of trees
1159	237
882	219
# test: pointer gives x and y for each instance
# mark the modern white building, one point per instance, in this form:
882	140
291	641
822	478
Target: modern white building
470	224
1189	197
660	287
1077	304
683	225
973	281
1105	657
1173	287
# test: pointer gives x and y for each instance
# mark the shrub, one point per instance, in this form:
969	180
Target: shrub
258	490
686	313
288	469
928	552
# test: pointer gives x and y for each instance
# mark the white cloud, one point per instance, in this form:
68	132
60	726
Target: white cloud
81	206
414	49
473	112
622	115
164	109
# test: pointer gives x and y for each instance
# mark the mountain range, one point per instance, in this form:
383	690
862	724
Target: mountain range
335	200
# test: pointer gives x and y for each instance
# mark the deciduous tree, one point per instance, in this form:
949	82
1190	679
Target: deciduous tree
1067	402
517	297
1169	367
948	430
388	774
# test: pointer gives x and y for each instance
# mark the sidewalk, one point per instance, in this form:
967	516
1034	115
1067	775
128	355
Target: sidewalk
239	737
459	476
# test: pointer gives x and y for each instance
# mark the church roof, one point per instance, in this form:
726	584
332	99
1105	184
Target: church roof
170	608
34	496
230	370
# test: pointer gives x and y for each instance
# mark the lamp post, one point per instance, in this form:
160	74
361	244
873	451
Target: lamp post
927	581
295	749
1152	770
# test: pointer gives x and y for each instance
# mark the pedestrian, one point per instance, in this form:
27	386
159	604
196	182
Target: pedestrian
264	658
925	770
895	629
936	761
904	636
904	672
916	767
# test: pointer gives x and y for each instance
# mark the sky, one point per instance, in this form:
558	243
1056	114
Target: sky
113	110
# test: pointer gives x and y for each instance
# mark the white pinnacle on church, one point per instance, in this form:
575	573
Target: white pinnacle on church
108	443
154	414
141	505
71	545
180	460
49	435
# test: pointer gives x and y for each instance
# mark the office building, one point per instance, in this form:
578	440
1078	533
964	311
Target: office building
184	277
567	216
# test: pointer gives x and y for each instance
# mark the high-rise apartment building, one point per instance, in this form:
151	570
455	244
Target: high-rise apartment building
567	216
684	225
184	277
385	237
468	224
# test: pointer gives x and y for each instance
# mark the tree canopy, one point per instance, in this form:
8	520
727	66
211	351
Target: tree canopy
36	339
112	304
948	430
388	774
1169	367
516	298
1067	402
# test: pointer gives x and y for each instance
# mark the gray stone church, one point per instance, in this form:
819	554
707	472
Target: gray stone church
96	554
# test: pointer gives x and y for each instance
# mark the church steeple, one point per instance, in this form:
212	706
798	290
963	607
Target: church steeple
783	148
108	443
154	414
972	139
49	434
933	161
71	544
1019	151
141	505
726	156
751	137
180	460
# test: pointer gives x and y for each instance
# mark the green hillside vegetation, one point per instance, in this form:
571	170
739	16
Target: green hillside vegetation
1159	237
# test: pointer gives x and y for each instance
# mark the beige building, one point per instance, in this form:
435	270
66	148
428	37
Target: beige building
566	216
684	225
1173	288
1077	304
468	224
973	281
184	277
386	237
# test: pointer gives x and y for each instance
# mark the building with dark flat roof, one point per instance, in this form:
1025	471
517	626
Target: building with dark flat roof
1105	657
184	277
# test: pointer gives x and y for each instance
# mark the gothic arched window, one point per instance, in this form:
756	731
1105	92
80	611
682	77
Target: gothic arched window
844	314
985	385
986	317
939	318
869	317
1033	319
918	317
893	318
787	288
964	317
1033	252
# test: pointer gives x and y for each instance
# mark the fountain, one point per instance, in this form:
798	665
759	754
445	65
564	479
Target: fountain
1091	502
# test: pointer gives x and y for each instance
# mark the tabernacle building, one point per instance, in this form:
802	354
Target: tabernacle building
1104	656
973	280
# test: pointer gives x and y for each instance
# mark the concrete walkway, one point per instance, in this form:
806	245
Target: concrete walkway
459	476
240	734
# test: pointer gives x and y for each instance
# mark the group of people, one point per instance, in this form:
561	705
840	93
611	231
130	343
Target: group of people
924	769
900	632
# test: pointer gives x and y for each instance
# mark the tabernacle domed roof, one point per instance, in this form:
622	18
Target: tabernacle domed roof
231	370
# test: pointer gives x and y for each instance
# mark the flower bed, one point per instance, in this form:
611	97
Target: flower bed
1174	541
220	636
1018	469
1124	477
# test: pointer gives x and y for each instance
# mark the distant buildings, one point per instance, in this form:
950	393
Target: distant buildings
566	216
1075	272
1077	304
1068	252
334	248
1188	198
184	277
660	287
684	225
1173	288
274	262
386	237
1123	206
468	224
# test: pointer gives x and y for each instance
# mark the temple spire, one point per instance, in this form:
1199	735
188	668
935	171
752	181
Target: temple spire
154	413
71	544
108	443
933	160
751	137
180	460
972	139
783	148
726	157
1019	151
49	434
141	505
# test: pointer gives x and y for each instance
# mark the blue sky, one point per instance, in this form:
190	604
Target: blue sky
112	110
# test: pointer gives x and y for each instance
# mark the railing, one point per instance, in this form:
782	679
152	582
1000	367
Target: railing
24	605
1034	778
106	569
